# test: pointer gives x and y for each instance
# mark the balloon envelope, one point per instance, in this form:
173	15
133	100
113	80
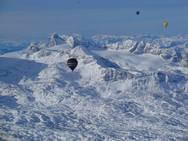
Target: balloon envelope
137	12
165	24
72	63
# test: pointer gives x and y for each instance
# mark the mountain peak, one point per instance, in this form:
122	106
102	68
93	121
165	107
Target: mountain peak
55	40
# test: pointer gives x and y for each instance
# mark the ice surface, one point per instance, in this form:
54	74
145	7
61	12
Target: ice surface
124	88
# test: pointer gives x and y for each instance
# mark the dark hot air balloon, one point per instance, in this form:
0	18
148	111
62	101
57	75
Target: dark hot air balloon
137	12
72	63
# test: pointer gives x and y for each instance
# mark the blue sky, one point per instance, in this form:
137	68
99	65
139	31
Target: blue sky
36	19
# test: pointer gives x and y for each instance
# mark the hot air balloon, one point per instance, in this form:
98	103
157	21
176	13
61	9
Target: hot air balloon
165	24
137	12
72	63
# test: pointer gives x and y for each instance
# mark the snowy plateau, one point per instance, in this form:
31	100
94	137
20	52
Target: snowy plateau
125	88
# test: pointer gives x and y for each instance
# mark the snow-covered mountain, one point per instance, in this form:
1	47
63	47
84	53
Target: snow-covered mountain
10	46
124	88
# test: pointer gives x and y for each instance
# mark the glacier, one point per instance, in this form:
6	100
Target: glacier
132	88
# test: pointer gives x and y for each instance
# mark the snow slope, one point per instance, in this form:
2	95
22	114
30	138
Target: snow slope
124	88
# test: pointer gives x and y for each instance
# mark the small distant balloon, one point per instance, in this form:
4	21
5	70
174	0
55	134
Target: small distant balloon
165	24
137	12
72	63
